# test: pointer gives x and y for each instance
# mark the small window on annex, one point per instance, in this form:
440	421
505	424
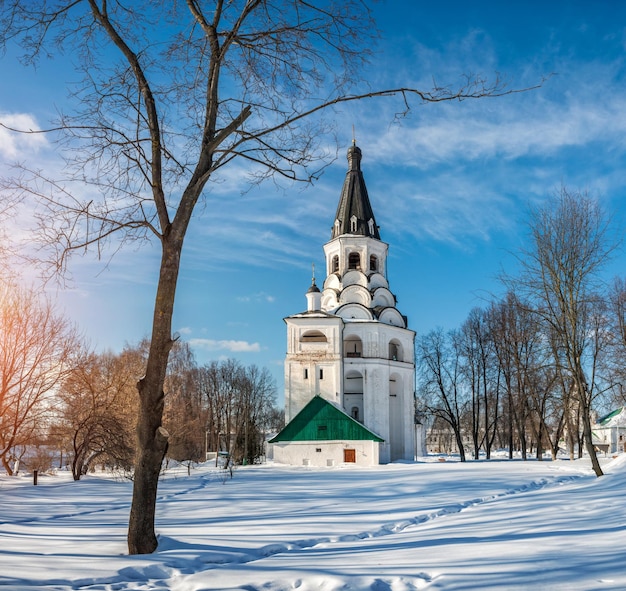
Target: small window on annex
354	260
373	263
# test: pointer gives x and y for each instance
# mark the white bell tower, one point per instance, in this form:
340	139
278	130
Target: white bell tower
352	346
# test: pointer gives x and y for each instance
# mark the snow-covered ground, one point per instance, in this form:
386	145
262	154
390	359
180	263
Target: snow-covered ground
487	525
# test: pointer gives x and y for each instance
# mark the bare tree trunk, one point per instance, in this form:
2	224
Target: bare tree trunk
509	421
459	443
585	399
6	465
152	438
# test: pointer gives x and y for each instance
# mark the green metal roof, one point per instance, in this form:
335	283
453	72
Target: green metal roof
612	414
321	420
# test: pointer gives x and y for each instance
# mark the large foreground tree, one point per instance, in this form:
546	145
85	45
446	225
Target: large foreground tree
170	93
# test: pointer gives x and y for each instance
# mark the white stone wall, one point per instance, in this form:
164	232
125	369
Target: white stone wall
305	360
377	370
331	453
613	437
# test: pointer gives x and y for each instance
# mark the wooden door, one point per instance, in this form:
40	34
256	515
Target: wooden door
349	456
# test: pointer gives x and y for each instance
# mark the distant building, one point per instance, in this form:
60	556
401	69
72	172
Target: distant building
352	346
609	432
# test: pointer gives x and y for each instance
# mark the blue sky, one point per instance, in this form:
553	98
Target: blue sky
450	184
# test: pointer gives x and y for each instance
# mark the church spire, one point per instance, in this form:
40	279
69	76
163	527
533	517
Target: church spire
354	213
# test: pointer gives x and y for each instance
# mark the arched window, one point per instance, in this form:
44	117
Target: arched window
373	263
353	224
395	351
352	347
354	413
370	225
313	336
335	264
354	260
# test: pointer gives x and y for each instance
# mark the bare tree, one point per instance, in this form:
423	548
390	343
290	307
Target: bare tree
7	206
617	302
97	412
257	398
548	410
616	359
171	93
483	375
210	386
442	390
240	404
570	244
514	339
36	350
184	415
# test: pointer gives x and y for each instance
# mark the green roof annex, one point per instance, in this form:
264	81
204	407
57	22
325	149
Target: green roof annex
321	420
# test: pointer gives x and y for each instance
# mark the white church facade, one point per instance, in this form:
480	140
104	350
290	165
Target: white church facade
352	346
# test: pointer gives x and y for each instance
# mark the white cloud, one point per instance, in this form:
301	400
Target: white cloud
234	346
15	145
506	128
257	297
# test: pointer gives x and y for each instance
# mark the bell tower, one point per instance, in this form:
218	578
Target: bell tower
352	340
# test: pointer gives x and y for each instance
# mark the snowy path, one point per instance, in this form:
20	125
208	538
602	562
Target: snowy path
484	525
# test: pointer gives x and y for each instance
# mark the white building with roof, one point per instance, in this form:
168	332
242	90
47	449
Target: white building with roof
352	345
609	432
